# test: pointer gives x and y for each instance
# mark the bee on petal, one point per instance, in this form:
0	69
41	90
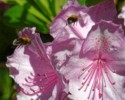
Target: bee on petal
72	19
21	41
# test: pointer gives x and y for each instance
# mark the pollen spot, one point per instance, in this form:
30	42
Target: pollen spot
95	76
106	43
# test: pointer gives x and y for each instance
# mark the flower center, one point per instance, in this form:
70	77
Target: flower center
97	74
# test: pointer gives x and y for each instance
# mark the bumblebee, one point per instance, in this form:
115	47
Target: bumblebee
72	19
21	41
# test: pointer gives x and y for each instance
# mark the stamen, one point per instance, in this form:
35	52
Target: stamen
89	76
106	72
44	82
110	68
85	69
95	75
99	76
94	81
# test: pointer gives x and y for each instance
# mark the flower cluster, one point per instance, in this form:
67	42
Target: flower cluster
85	61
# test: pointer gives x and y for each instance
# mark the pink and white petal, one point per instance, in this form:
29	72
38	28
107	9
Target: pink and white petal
81	28
102	42
86	19
62	53
77	94
60	28
79	91
34	69
22	96
109	92
71	3
39	96
59	91
117	91
103	11
74	67
117	63
19	65
27	32
122	14
103	37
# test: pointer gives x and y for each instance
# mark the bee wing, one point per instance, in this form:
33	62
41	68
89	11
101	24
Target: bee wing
15	42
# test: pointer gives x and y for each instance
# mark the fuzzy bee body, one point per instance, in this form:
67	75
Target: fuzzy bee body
21	41
72	19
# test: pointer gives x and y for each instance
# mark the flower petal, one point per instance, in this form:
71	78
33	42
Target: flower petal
110	92
75	21
117	63
62	51
72	22
71	3
30	66
103	11
93	69
22	96
103	37
122	14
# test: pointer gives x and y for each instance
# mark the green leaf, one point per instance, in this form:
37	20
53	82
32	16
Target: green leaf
31	20
47	9
21	2
83	2
19	17
92	2
14	14
120	4
9	1
58	5
5	84
38	14
37	5
52	7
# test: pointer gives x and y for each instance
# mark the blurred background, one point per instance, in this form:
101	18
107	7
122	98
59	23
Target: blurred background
17	14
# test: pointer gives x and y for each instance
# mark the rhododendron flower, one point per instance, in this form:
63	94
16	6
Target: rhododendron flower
98	72
85	61
33	71
83	18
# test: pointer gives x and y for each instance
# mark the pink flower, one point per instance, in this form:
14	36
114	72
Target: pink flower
98	71
63	28
32	70
83	18
84	62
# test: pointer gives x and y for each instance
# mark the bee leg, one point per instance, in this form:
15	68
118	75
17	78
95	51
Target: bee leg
18	46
